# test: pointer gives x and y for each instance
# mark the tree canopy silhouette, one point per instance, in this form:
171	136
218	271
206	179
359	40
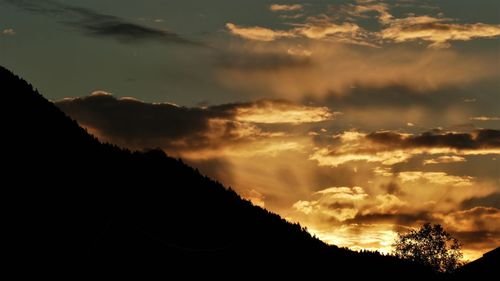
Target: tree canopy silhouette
432	246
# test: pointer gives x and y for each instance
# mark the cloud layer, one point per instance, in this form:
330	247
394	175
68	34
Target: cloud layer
389	148
438	31
351	217
341	25
136	124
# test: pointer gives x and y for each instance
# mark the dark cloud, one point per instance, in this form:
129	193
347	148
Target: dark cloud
489	137
132	113
386	138
492	200
96	24
390	95
478	139
423	108
393	147
400	219
393	188
137	124
47	7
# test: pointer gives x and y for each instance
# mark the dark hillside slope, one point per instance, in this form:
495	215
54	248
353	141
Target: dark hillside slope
487	265
75	204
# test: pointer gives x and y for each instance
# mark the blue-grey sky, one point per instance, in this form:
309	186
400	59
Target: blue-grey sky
65	61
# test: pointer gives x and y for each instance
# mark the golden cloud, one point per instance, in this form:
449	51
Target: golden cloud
322	28
265	148
344	203
325	157
472	219
351	217
439	178
317	28
330	213
348	193
8	31
485	118
272	112
285	8
254	196
445	159
373	237
325	29
476	228
389	203
293	16
438	31
389	148
333	202
381	8
257	33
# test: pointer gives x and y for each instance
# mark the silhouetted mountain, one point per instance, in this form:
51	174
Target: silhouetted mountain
487	266
76	205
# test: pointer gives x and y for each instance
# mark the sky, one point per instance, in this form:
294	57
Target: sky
358	119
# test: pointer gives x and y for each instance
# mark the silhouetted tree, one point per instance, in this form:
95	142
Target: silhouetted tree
432	246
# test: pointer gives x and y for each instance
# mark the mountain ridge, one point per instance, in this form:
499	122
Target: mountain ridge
79	204
487	265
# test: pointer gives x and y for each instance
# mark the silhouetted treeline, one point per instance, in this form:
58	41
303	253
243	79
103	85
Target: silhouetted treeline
75	206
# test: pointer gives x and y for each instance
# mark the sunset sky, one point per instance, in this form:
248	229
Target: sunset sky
358	119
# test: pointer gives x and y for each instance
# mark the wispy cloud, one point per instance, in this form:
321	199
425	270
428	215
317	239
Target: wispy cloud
341	26
257	33
285	8
323	28
316	28
93	23
438	31
445	160
8	31
275	112
485	118
439	178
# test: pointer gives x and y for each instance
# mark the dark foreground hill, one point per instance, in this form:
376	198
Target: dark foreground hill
74	205
488	266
